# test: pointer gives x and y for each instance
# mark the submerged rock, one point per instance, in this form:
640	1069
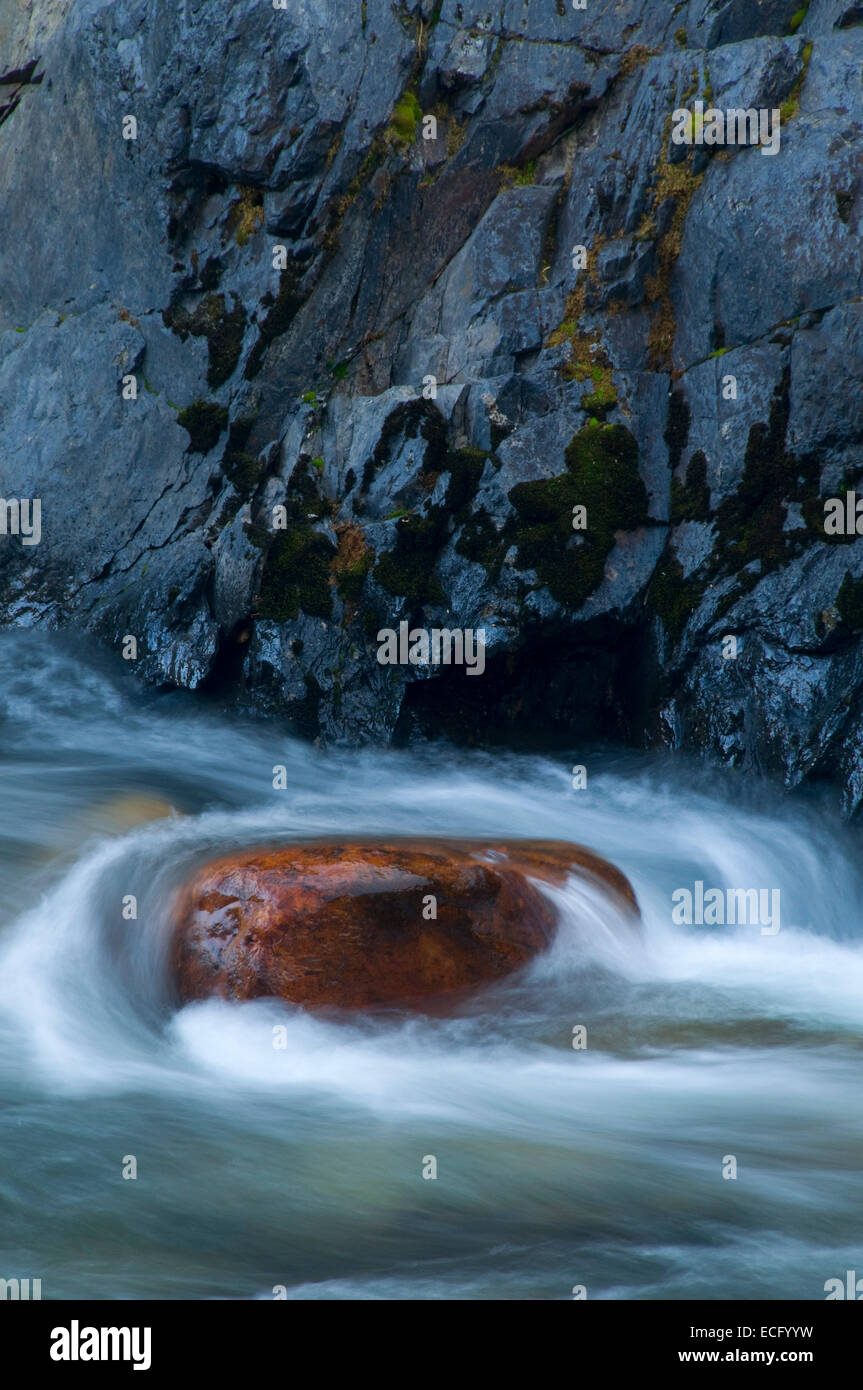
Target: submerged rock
358	924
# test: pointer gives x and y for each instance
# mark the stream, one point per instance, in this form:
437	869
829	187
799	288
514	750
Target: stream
300	1169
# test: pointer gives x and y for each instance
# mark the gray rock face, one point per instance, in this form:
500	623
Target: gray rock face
322	319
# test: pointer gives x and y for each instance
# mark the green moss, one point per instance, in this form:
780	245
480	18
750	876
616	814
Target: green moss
849	602
789	108
690	501
406	116
513	176
410	419
671	597
243	469
309	398
675	187
481	542
750	524
600	401
407	571
281	312
204	421
465	467
223	329
296	576
680	37
797	19
351	580
691	89
225	343
602	475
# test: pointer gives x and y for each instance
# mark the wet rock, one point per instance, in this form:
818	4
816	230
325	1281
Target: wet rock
359	924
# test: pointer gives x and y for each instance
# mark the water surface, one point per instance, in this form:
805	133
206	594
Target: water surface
302	1167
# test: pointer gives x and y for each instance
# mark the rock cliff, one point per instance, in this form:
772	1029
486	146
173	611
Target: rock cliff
326	259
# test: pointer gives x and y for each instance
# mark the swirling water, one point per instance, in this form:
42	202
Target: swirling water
301	1167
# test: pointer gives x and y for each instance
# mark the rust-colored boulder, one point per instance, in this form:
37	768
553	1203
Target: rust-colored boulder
350	924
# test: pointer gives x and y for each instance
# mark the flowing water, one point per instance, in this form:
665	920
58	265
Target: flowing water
302	1167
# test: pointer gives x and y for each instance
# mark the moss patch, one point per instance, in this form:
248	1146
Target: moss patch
635	58
406	116
407	571
352	562
246	215
465	467
690	501
410	419
513	176
588	360
602	475
243	470
204	421
675	184
481	542
599	402
224	343
750	524
281	311
791	105
296	576
297	569
223	329
673	598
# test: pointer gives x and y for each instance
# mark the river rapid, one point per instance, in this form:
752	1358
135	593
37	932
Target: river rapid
300	1169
